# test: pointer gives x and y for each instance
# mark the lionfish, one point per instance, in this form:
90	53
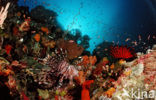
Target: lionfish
59	70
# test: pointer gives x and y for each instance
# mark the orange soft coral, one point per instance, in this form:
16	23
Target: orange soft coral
37	37
91	60
80	78
85	60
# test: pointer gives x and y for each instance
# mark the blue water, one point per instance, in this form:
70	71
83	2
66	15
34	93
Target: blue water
109	20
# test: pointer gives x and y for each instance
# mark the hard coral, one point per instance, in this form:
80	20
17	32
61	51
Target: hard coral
122	52
150	70
73	50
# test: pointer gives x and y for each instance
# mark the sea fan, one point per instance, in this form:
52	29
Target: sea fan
122	52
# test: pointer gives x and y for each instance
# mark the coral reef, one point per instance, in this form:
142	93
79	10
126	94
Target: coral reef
138	76
39	61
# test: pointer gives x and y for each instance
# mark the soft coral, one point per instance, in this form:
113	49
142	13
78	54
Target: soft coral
85	90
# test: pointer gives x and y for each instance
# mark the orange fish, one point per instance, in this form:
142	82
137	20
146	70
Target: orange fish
37	37
8	49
